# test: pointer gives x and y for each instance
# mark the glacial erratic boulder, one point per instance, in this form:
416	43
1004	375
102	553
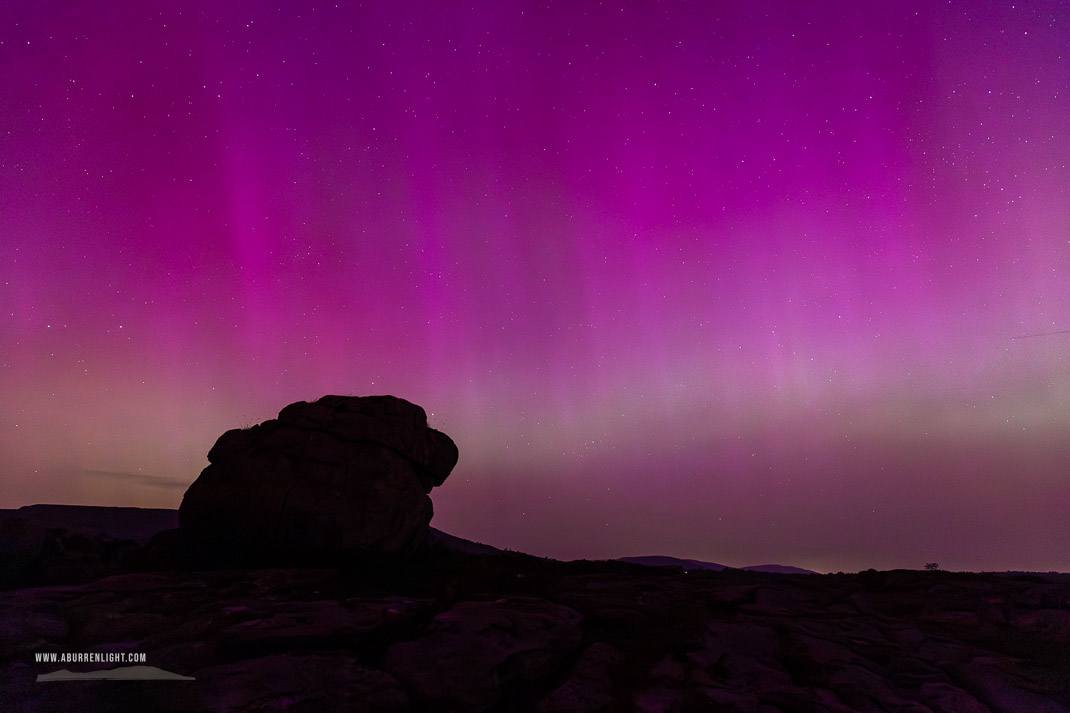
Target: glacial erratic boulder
343	474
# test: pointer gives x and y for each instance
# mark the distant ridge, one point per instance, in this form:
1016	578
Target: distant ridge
459	544
120	523
662	561
140	524
780	569
687	564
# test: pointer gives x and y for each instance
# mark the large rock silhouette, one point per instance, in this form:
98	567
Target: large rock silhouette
341	475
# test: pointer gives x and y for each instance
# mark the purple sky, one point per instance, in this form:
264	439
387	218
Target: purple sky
731	281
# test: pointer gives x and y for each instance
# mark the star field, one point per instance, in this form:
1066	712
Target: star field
728	281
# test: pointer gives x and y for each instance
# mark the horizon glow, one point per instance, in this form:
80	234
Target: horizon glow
736	282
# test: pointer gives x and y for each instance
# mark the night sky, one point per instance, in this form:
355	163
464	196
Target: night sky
732	281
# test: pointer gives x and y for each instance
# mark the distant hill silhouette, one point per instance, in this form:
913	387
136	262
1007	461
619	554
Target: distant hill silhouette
689	564
117	523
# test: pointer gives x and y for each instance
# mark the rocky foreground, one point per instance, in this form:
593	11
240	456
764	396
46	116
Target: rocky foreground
449	631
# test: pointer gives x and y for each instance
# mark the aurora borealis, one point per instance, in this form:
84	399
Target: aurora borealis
730	281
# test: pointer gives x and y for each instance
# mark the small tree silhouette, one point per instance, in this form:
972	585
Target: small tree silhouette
932	566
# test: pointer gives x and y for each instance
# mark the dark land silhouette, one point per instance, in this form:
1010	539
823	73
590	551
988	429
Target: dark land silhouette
301	574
